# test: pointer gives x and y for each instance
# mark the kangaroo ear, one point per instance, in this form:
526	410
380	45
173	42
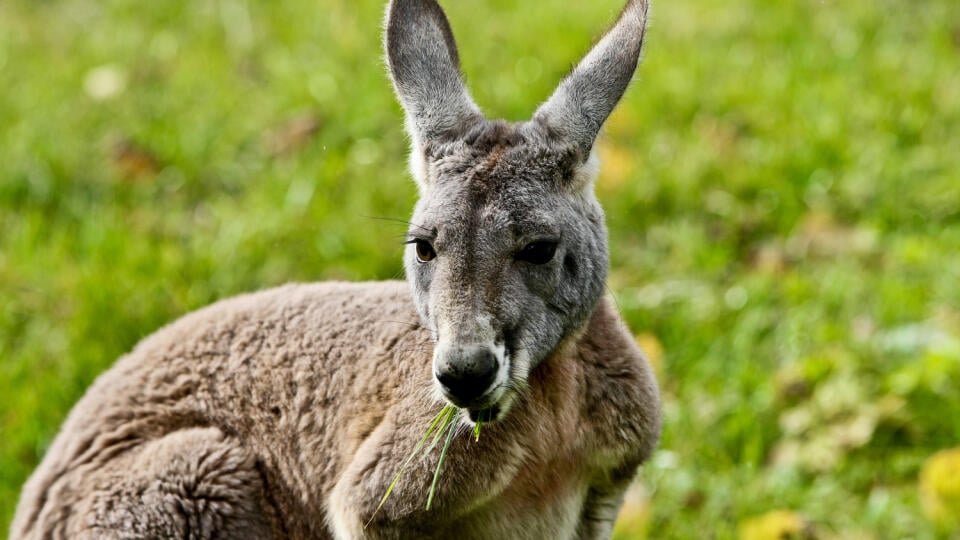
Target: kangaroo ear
425	70
583	101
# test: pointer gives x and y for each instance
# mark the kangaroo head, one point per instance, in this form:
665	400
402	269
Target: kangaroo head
507	251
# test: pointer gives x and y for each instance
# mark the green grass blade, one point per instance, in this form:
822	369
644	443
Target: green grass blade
443	414
476	430
443	455
450	412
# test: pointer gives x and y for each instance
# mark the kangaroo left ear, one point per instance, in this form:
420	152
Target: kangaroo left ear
583	101
425	70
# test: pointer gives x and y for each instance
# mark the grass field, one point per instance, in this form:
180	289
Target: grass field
782	185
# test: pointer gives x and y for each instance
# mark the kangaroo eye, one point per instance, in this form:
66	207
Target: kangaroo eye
425	252
537	252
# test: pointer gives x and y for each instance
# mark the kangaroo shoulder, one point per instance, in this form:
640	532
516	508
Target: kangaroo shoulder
621	402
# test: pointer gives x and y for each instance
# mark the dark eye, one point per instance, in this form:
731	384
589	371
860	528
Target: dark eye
425	252
537	252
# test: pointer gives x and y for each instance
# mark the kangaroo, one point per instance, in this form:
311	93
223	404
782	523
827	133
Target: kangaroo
286	413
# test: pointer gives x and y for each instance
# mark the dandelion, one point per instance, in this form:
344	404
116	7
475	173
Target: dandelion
940	488
776	525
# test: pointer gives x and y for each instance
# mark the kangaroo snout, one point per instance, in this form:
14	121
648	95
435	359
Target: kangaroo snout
467	372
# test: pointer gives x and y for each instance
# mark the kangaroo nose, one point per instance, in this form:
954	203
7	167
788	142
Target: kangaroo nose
466	372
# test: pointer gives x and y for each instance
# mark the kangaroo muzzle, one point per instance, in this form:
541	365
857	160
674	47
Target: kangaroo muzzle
468	372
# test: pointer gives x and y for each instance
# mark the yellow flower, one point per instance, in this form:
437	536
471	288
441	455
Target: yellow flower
618	164
776	525
940	488
653	350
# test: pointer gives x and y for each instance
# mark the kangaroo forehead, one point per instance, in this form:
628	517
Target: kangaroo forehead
506	159
499	156
455	214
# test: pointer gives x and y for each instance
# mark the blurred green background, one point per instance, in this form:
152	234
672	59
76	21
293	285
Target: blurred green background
782	185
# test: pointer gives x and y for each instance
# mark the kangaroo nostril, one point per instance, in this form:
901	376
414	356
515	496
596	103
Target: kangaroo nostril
446	378
467	372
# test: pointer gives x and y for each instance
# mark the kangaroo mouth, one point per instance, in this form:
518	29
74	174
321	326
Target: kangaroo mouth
492	406
499	400
494	410
489	414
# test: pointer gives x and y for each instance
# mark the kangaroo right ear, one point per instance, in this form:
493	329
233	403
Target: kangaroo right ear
425	70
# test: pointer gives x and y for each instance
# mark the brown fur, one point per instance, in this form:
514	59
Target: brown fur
286	413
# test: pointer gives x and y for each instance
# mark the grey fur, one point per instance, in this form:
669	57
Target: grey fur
286	413
425	70
577	110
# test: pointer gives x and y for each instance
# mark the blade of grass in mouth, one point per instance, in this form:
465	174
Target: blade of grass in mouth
443	415
476	427
443	455
449	411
